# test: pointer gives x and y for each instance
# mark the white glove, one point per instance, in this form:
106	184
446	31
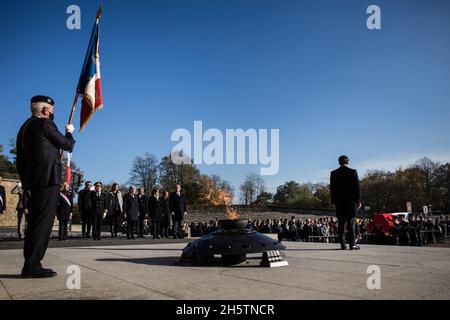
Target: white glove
70	128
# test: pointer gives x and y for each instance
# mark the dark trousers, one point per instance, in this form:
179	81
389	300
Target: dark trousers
156	229
97	226
141	227
62	231
86	223
177	229
19	221
113	225
42	209
164	230
350	223
131	226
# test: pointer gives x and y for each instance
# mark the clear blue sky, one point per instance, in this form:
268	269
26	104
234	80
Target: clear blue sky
310	68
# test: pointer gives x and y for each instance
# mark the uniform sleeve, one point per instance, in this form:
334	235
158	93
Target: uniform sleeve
20	163
60	141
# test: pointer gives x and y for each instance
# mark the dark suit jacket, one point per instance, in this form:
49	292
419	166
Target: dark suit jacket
154	209
3	200
143	205
84	201
345	192
165	210
131	207
64	209
177	205
99	204
38	153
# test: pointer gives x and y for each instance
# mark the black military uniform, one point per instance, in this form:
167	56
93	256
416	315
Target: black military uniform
143	202
84	205
99	207
39	165
131	210
63	211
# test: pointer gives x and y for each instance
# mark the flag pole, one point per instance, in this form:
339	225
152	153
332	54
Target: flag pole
77	94
74	106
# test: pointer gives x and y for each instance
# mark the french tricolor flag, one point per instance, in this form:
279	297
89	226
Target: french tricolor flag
68	169
90	84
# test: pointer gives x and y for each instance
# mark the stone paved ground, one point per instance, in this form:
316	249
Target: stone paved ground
315	271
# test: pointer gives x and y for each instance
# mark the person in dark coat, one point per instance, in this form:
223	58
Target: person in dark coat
177	203
155	213
20	208
403	231
2	197
115	206
99	204
38	163
64	211
85	208
346	198
131	211
143	211
165	211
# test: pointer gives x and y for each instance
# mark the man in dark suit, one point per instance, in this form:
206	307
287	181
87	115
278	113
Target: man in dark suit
131	211
39	165
155	213
346	198
85	208
143	205
177	204
2	197
99	209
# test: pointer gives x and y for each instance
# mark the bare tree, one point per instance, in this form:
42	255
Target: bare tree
144	171
252	187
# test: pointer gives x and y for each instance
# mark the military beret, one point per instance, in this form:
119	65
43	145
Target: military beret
43	99
98	183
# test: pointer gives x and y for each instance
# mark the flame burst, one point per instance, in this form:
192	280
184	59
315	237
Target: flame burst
226	198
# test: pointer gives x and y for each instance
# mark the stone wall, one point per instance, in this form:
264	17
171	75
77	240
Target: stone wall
9	218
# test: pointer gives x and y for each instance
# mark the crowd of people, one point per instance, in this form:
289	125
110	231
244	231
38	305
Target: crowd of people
134	210
134	214
417	231
414	230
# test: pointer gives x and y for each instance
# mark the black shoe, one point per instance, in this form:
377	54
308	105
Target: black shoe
44	273
343	246
158	237
355	247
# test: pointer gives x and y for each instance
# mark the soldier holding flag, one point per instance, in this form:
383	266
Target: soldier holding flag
39	165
